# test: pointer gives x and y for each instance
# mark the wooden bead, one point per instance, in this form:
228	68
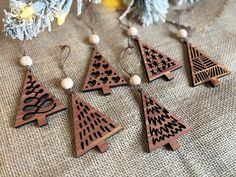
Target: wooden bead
67	83
26	61
135	80
132	31
182	34
94	39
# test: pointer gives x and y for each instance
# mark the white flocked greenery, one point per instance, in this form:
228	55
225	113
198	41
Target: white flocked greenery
44	12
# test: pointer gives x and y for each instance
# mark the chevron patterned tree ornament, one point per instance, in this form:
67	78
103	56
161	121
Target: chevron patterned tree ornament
203	67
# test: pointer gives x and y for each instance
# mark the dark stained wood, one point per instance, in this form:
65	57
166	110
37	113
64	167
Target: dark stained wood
91	127
162	126
101	75
36	103
203	67
174	144
156	63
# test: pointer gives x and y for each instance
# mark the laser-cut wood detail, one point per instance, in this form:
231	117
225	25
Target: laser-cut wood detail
36	103
102	75
156	63
91	127
162	126
203	67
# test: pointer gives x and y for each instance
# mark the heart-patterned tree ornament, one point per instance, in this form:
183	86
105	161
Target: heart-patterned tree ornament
102	75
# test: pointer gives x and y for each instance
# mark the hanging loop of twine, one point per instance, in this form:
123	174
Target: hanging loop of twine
178	22
89	10
129	9
64	54
128	50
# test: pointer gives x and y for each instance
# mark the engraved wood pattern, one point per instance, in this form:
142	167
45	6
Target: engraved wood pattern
156	63
101	75
36	103
162	126
203	67
91	127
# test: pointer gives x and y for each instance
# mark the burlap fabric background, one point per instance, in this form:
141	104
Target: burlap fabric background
209	150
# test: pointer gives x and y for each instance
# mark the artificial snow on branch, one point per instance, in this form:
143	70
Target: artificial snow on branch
151	11
27	18
181	2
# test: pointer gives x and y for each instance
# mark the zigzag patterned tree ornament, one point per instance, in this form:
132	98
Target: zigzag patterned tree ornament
203	67
36	102
91	127
102	75
162	126
157	64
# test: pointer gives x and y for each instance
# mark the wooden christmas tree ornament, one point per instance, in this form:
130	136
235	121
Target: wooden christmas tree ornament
156	63
203	67
162	126
36	102
91	127
101	75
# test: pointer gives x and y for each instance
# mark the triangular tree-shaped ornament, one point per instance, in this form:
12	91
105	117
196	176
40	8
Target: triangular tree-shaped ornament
162	126
156	63
101	75
91	127
203	67
36	103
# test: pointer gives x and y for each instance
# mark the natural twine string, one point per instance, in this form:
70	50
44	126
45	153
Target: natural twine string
64	54
65	51
89	16
23	48
128	51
